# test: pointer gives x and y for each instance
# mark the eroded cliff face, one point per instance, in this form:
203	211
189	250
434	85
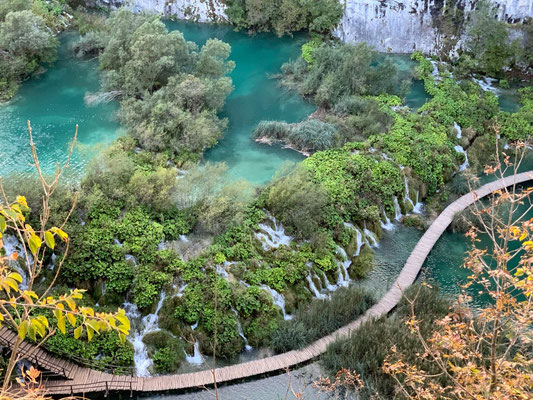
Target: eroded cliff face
193	10
407	25
398	26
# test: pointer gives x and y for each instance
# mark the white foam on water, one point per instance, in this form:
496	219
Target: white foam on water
278	300
417	209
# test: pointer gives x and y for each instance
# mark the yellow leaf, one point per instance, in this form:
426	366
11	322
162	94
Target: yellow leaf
3	224
49	240
60	233
35	243
16	276
71	303
71	319
22	201
90	332
77	332
23	329
61	325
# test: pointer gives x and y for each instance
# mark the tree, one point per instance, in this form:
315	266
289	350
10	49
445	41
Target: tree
37	316
487	40
484	353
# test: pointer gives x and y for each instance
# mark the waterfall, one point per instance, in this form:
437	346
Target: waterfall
272	238
195	325
343	265
458	129
313	288
387	225
161	245
117	242
329	286
247	347
184	239
417	209
181	290
222	272
370	236
12	245
149	325
278	300
464	165
397	209
196	358
487	84
407	198
358	238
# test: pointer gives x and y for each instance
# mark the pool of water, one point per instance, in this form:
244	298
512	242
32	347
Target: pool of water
54	103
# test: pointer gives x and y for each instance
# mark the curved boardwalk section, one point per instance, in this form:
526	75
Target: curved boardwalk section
85	380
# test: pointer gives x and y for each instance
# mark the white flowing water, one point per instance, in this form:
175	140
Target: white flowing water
195	325
343	278
278	300
272	238
312	287
181	290
387	225
149	324
464	165
417	209
370	237
329	286
12	245
358	237
487	84
407	198
196	358
458	129
247	347
117	242
397	209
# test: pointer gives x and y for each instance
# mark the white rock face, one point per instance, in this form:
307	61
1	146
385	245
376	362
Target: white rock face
194	10
405	26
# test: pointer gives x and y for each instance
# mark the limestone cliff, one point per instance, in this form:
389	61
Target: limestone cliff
398	26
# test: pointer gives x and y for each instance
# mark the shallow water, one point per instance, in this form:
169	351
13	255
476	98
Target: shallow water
54	104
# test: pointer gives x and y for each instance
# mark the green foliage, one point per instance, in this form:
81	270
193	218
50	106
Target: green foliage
357	183
308	49
25	43
488	40
519	125
166	351
321	318
366	348
332	78
285	16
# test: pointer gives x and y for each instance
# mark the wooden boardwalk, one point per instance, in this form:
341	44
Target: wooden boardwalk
81	380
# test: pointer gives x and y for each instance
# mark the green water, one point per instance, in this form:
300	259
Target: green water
54	104
255	98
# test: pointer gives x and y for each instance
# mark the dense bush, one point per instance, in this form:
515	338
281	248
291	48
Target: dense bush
519	125
165	350
366	348
320	318
309	136
25	43
285	16
340	71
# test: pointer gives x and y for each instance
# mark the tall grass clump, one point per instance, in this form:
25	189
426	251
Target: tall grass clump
321	317
366	348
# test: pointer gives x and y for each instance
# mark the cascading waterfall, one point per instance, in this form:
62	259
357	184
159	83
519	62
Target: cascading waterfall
149	325
117	242
487	84
196	358
417	209
247	347
272	238
278	300
183	238
370	237
131	258
464	165
343	265
358	237
407	198
313	288
329	286
387	225
397	209
222	272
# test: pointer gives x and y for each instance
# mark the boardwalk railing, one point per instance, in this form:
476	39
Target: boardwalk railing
85	380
